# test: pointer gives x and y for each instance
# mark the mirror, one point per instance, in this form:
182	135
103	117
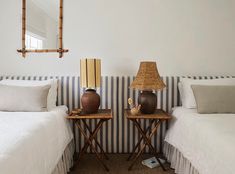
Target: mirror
42	26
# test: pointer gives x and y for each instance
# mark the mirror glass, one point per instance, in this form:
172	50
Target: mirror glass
42	24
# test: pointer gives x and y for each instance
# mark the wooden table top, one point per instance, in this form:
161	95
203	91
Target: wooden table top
158	114
102	114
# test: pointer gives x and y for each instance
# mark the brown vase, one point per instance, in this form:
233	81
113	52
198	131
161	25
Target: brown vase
90	101
148	102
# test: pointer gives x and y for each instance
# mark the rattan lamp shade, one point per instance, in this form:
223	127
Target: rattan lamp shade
148	77
90	73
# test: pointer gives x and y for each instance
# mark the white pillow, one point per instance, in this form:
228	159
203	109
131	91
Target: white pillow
52	95
23	99
187	96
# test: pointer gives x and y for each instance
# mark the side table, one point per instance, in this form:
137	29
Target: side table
156	119
103	115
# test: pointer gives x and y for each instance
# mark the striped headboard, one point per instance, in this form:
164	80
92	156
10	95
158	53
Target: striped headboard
118	135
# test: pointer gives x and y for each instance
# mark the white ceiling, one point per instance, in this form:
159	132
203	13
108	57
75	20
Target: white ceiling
50	7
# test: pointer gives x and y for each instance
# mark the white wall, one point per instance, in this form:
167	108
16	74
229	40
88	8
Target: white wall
185	37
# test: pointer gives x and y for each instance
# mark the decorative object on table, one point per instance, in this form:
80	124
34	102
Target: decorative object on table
134	109
76	111
152	162
147	80
90	76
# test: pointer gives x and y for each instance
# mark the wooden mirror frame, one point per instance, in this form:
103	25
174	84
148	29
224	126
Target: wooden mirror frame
60	50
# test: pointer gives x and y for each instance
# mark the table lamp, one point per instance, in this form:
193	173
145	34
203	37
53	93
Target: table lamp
90	77
146	81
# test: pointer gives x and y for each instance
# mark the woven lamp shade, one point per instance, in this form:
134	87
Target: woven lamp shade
90	73
148	77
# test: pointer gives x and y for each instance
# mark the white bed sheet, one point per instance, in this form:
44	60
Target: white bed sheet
33	142
207	141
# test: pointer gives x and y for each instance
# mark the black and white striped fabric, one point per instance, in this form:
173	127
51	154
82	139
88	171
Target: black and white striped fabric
117	135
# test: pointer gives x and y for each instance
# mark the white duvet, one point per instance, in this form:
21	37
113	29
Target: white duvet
207	141
33	142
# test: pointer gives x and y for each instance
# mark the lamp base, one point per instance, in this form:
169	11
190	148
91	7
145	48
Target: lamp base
90	101
148	102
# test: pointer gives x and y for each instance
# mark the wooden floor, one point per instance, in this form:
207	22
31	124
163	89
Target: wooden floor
117	164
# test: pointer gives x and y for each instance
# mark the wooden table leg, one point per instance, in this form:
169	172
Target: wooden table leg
147	142
86	144
90	131
137	145
89	142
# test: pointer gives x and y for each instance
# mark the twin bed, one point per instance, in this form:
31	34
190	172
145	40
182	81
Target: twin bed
35	142
204	144
201	143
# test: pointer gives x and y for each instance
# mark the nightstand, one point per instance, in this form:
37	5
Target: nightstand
102	116
156	119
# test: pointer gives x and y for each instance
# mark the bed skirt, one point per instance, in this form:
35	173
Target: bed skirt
66	161
178	161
